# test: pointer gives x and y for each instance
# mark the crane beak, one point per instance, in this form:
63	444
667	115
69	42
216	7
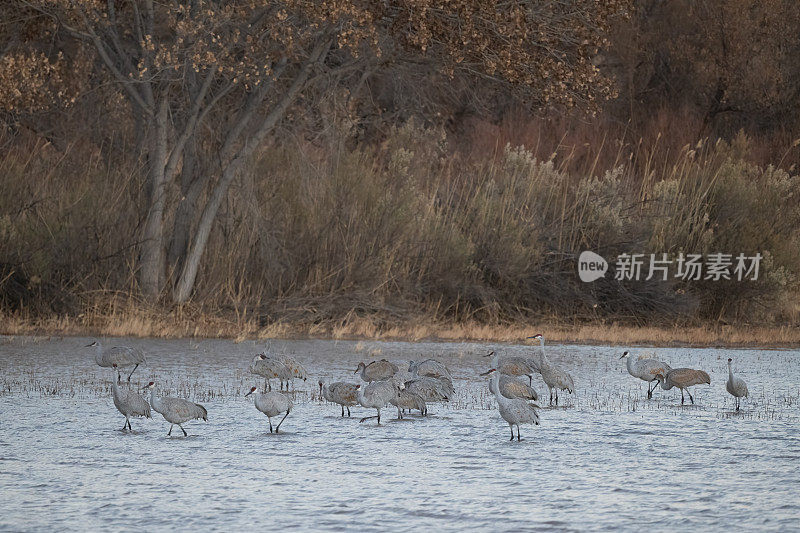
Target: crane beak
249	393
489	354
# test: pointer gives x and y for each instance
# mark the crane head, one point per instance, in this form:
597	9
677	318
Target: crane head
537	336
624	355
261	357
149	386
730	360
489	372
252	390
93	343
361	366
489	354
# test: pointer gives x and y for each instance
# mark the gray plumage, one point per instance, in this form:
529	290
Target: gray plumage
515	365
272	404
129	403
376	395
646	369
513	410
118	357
735	385
340	392
683	378
511	387
429	368
377	370
431	389
176	411
555	377
277	366
406	399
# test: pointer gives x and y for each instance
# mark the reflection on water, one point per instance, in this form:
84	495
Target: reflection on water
609	459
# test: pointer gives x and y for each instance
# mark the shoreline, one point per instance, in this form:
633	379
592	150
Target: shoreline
177	325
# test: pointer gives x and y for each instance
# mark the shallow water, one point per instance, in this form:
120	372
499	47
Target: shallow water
607	459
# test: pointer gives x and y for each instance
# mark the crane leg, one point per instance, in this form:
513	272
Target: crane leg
551	396
129	426
737	405
512	431
690	396
270	424
125	425
132	371
342	411
682	399
556	404
518	437
170	430
530	380
348	411
379	417
119	377
277	429
184	431
650	391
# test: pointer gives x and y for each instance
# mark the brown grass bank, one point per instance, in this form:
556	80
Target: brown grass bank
135	320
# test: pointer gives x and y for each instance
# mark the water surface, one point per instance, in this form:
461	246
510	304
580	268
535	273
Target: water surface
608	459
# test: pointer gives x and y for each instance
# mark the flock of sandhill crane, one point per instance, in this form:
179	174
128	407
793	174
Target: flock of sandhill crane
384	383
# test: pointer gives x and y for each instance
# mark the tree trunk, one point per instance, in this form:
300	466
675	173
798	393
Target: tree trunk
151	273
194	178
185	285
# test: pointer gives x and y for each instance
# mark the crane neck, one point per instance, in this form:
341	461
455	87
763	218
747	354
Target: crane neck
730	370
629	363
494	386
155	401
541	347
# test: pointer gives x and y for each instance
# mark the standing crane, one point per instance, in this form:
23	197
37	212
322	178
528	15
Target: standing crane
128	402
511	387
646	370
345	394
514	365
431	389
175	410
513	410
118	357
272	404
406	399
376	395
683	378
377	370
736	386
556	378
429	368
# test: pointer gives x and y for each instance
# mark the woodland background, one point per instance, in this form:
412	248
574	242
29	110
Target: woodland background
393	162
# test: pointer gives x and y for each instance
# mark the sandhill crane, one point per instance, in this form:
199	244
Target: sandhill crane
736	386
514	365
646	370
513	410
429	368
268	367
292	369
377	370
406	399
175	410
511	387
345	394
431	389
375	395
129	403
121	356
272	404
683	378
554	377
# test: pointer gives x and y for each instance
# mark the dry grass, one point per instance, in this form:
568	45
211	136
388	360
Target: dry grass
139	321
